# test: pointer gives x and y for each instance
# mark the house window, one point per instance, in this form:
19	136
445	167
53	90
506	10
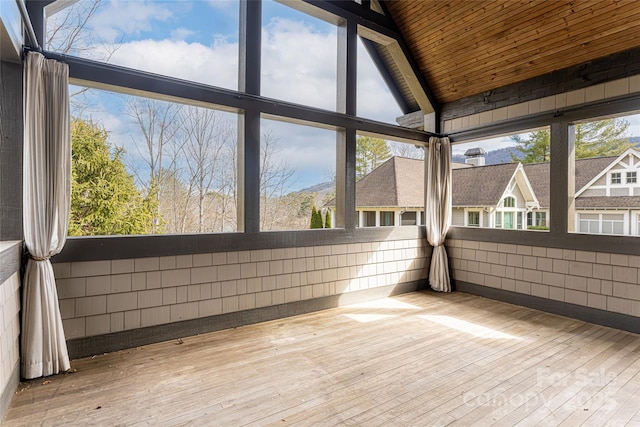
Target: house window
612	223
529	219
616	178
510	202
473	219
422	217
498	219
369	218
601	223
541	219
508	220
387	218
519	225
631	178
408	218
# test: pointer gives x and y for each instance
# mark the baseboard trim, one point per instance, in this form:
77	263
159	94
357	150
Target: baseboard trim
9	390
624	322
89	346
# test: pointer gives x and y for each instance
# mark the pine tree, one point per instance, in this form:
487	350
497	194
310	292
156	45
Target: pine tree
327	219
593	139
104	198
316	218
536	149
370	153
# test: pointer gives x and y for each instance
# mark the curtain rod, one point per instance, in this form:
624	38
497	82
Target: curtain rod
27	23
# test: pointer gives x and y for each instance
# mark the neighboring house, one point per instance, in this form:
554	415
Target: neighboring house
392	194
507	195
497	196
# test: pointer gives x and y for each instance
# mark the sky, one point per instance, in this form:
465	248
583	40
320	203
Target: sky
198	41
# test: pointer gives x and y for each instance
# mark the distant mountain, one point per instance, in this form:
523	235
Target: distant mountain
502	155
320	188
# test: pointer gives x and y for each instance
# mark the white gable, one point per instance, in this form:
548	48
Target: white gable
629	161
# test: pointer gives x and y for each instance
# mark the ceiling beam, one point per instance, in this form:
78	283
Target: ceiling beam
386	75
382	29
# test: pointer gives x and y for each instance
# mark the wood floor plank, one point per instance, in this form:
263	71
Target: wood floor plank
412	359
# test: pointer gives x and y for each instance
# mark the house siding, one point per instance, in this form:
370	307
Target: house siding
598	280
457	217
619	191
520	202
601	181
102	297
9	321
594	192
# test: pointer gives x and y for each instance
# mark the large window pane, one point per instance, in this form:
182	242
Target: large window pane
502	182
390	181
606	166
297	176
143	166
299	57
374	99
191	40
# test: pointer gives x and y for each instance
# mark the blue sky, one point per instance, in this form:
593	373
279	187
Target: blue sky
198	41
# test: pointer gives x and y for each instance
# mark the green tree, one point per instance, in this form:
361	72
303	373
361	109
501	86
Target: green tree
602	138
316	218
104	198
370	153
327	219
606	137
533	150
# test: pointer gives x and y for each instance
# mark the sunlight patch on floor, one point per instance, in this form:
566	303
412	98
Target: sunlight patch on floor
385	303
468	327
369	317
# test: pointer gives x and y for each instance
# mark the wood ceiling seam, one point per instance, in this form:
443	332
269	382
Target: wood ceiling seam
561	57
477	52
485	29
507	45
592	32
606	35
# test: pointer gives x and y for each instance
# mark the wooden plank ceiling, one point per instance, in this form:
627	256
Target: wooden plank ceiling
467	47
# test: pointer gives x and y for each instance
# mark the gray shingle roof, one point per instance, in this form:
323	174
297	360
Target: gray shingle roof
400	182
538	175
481	185
587	169
608	202
397	182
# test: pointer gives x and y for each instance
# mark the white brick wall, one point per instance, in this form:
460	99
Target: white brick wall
100	297
597	92
9	328
591	279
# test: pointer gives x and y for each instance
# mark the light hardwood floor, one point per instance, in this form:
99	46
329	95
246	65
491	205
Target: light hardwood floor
413	360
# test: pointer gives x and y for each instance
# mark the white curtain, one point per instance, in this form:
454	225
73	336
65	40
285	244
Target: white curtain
438	209
47	193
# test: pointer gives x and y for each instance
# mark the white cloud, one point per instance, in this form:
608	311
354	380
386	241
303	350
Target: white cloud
299	65
122	17
216	65
181	33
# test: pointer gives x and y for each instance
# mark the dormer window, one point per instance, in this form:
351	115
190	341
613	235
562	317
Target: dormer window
631	178
509	202
616	178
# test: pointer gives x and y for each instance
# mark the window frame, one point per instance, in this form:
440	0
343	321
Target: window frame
561	205
615	178
248	102
470	212
631	177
